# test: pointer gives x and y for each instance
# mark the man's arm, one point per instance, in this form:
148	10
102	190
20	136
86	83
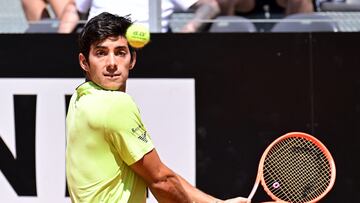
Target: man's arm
198	196
163	182
167	186
69	18
204	10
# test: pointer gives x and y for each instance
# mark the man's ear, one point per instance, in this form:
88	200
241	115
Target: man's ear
133	60
83	62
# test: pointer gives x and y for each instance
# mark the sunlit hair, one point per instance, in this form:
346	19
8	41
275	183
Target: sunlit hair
99	28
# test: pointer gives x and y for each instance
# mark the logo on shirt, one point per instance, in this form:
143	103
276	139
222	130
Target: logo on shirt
140	130
143	137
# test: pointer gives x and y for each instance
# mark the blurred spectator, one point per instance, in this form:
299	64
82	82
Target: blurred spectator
239	7
139	11
37	9
231	7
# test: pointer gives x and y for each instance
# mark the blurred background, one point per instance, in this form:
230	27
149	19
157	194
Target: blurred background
67	16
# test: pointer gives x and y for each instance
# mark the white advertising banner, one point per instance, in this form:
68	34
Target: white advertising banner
167	107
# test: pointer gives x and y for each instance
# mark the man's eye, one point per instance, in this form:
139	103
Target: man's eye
120	53
100	53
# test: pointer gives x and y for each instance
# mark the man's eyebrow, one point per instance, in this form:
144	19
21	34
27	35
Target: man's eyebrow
100	47
121	47
105	47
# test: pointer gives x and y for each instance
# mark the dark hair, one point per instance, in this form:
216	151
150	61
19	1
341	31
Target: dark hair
100	28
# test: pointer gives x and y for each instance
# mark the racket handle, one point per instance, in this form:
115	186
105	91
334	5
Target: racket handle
252	193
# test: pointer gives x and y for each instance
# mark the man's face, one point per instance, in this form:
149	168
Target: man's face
109	63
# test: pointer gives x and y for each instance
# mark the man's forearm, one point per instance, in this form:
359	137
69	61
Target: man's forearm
170	189
196	195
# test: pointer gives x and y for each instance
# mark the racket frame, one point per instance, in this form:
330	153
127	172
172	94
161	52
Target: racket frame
260	177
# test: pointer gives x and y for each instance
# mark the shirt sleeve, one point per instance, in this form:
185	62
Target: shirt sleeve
83	6
126	130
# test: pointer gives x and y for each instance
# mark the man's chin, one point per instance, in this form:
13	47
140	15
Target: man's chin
112	87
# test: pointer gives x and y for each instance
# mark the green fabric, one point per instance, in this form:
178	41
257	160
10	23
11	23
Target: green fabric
105	135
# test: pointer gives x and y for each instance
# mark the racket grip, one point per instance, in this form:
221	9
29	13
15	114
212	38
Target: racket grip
252	193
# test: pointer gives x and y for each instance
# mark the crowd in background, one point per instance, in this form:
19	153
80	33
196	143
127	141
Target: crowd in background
176	15
70	12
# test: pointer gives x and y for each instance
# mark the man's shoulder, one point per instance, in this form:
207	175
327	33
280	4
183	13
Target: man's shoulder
115	98
114	95
94	91
96	97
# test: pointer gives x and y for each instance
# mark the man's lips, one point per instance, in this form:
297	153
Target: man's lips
112	75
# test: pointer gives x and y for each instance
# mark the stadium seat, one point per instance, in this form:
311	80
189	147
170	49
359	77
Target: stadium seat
348	21
44	26
232	24
12	17
343	5
306	22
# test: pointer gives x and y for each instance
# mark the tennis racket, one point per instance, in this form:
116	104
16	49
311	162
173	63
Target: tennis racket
296	168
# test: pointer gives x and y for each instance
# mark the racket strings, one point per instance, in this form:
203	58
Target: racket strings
289	177
296	170
310	178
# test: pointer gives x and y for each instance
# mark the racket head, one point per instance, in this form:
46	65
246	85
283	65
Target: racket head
297	168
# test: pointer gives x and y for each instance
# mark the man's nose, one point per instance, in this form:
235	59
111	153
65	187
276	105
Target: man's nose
111	63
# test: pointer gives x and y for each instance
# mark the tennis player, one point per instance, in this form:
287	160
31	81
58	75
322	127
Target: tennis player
110	156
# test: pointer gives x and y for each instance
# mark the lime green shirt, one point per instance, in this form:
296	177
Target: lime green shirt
105	135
